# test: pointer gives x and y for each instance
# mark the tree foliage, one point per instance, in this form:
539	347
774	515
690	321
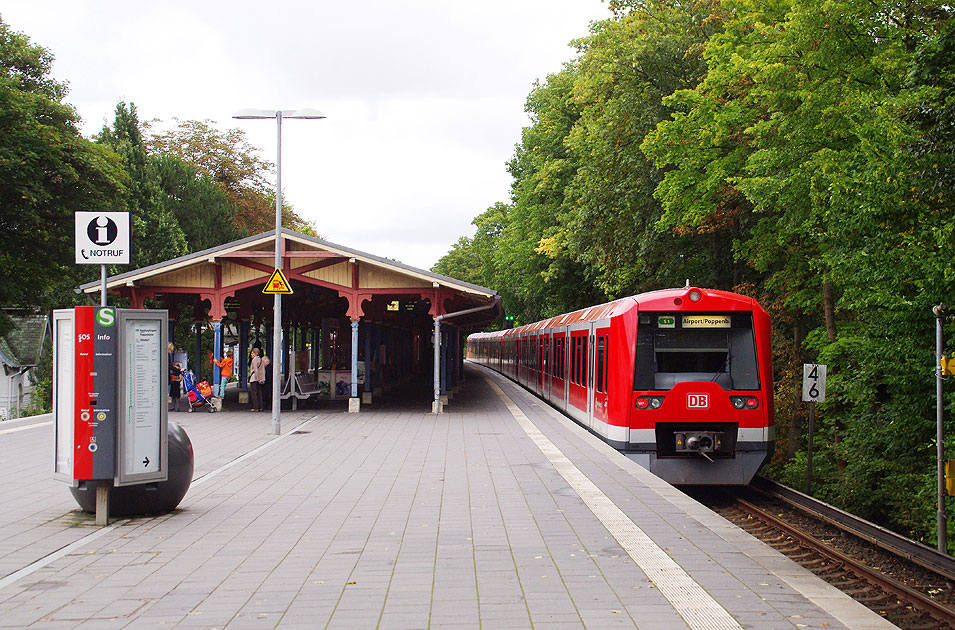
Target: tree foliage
189	189
47	172
796	151
155	233
227	158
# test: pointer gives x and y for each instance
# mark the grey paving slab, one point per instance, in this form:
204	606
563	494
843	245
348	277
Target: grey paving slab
391	518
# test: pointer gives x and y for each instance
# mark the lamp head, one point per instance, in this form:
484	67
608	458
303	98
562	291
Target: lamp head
247	114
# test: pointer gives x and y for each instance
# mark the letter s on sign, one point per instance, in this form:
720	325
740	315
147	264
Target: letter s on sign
105	317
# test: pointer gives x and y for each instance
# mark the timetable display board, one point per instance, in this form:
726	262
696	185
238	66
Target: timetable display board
143	385
63	394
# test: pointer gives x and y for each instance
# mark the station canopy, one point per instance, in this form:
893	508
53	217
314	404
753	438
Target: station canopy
327	280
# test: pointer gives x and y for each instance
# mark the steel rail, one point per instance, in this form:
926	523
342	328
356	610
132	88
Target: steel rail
930	606
916	552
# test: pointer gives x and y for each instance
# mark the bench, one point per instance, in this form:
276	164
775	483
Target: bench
306	385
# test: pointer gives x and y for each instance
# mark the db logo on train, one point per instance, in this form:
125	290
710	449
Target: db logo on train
697	401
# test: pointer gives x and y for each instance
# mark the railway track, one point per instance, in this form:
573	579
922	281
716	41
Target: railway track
908	583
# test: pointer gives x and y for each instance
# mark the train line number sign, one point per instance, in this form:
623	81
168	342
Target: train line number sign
813	382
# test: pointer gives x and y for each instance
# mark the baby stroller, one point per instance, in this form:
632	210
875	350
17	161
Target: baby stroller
199	394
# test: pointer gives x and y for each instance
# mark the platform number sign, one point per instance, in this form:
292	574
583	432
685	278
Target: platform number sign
813	382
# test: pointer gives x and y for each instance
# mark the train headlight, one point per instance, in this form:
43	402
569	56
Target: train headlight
744	402
649	402
695	295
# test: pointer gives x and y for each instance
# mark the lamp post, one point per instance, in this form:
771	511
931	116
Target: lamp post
278	115
939	312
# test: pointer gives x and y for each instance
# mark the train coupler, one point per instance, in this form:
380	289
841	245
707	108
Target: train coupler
702	442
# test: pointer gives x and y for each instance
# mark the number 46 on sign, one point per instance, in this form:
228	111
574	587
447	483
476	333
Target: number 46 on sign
813	382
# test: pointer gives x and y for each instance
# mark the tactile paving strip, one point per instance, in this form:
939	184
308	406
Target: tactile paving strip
688	598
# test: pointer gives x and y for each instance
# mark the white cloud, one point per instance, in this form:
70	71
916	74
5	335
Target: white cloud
424	98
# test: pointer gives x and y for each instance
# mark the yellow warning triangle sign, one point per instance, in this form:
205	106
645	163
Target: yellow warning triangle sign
277	283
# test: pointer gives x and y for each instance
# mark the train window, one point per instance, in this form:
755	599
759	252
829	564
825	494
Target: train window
577	360
565	366
558	357
563	358
553	356
583	361
561	361
601	367
575	368
575	378
573	358
668	354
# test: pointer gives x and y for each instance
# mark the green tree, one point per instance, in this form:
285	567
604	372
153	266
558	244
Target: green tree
537	275
48	171
197	202
156	235
234	164
626	69
474	259
461	262
798	119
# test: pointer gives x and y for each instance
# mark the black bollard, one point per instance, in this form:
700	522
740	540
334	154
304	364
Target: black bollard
148	498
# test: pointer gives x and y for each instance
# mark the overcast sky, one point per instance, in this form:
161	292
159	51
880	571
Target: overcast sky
424	98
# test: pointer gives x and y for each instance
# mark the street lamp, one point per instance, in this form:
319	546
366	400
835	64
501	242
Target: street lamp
278	115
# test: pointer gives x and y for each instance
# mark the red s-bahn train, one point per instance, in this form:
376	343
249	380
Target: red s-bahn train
679	380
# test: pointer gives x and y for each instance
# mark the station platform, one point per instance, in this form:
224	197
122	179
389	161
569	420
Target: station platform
499	513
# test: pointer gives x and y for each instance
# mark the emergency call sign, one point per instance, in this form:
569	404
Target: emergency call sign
102	238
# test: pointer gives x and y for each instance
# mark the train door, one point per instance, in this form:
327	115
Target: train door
517	358
521	358
565	368
544	374
539	360
559	380
601	374
525	379
577	399
590	376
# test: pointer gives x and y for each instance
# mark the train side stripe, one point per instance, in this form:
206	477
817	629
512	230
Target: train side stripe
691	601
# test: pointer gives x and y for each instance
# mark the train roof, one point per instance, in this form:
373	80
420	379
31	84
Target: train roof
662	300
682	298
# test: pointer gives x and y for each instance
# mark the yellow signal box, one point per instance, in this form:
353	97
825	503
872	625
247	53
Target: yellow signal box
950	477
948	366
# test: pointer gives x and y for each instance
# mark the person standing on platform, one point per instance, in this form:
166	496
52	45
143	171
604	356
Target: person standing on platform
225	371
256	380
175	386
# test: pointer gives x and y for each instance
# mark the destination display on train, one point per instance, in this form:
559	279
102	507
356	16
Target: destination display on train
706	321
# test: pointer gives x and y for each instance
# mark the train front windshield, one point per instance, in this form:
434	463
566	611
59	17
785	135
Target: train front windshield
683	347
